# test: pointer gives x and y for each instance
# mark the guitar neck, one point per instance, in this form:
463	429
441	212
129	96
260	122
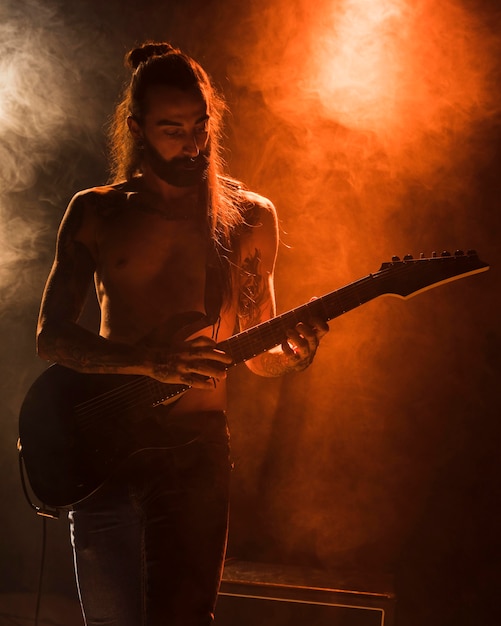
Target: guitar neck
401	278
266	335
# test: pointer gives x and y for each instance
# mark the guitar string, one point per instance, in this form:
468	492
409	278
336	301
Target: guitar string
113	404
138	392
111	395
112	401
242	346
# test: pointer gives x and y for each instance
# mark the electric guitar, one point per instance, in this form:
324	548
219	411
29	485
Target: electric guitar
77	429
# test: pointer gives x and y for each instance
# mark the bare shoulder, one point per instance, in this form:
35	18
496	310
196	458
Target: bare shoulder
260	229
94	203
85	212
260	225
257	209
97	198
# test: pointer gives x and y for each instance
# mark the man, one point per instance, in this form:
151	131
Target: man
180	257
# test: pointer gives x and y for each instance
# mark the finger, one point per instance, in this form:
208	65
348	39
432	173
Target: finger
289	348
296	351
201	340
209	354
313	330
306	331
204	348
198	382
304	337
202	367
320	326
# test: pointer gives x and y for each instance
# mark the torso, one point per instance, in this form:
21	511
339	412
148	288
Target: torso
151	269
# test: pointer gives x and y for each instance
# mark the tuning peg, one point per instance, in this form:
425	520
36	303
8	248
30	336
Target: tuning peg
408	257
445	253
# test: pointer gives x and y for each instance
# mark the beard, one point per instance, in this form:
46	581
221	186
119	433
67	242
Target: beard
179	171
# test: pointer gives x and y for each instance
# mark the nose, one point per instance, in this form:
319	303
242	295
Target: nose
191	147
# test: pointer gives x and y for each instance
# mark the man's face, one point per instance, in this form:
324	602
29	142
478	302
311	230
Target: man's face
175	135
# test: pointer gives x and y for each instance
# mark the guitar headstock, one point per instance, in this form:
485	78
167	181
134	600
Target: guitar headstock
410	276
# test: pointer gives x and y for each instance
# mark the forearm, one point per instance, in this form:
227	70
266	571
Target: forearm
73	346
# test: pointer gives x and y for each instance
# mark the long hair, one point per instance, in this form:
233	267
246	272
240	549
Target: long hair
161	64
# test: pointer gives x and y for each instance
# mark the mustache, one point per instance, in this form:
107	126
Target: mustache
200	159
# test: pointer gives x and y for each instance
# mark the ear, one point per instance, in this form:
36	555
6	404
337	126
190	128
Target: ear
135	129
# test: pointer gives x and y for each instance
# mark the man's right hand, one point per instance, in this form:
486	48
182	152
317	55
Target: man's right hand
195	362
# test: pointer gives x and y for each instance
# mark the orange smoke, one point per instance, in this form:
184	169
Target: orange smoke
365	122
400	69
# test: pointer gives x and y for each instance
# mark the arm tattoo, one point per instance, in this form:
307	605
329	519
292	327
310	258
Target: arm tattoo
252	290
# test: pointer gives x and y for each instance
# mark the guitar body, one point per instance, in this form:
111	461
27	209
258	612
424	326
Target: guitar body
77	429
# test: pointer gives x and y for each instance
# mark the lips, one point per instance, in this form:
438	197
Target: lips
181	171
193	163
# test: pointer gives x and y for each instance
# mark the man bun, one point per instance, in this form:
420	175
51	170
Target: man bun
146	51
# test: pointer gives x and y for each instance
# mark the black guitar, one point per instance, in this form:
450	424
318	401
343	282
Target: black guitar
76	429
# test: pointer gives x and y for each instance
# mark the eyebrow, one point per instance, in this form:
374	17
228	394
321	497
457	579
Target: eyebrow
166	122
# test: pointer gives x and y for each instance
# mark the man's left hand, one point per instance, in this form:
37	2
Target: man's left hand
302	343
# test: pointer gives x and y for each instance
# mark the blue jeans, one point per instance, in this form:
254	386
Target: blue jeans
149	546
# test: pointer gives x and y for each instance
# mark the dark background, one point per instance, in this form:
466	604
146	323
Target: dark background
383	457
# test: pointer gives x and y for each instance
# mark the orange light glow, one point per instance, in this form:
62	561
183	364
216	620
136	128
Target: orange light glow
397	68
357	62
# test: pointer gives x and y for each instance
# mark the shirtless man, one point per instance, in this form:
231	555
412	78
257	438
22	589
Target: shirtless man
180	257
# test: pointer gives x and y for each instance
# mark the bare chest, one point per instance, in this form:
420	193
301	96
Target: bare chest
149	267
143	246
